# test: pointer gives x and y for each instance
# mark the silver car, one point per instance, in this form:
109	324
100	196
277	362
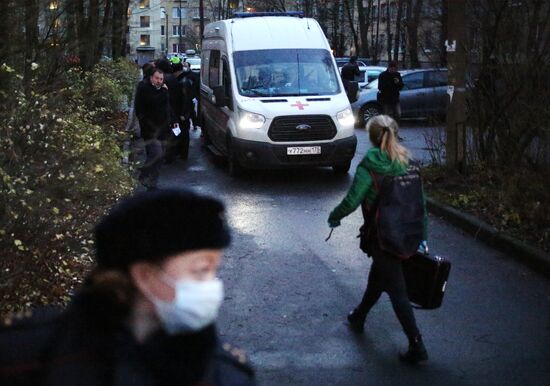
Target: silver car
424	95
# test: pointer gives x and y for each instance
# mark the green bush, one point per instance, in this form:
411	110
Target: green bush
60	169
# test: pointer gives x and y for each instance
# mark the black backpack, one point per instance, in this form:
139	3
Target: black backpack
395	221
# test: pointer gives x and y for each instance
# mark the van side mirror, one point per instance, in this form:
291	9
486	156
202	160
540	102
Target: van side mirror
221	96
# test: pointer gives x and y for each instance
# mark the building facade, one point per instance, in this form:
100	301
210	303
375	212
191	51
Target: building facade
157	28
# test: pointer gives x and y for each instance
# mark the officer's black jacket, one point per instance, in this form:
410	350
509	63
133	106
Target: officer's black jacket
77	347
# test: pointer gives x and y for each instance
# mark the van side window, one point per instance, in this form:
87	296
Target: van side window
214	73
226	82
205	67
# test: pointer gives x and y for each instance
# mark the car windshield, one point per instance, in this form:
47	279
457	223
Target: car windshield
193	60
285	72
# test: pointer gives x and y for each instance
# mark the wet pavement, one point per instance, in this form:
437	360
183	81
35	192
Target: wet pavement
288	291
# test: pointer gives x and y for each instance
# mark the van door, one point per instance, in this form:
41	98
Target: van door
215	118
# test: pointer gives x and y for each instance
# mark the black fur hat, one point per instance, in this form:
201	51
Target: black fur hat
154	225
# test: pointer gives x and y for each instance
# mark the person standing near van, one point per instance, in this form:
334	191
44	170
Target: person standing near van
155	117
146	314
350	71
386	158
390	84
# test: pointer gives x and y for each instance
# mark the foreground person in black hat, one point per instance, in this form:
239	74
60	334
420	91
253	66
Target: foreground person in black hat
146	315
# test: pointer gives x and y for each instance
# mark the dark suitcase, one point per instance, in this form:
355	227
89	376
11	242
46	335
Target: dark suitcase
426	277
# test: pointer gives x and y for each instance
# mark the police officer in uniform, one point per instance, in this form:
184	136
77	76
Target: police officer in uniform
146	315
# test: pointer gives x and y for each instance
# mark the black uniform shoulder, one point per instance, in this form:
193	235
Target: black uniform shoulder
231	367
23	338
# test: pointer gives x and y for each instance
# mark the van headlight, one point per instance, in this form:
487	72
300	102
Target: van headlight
251	120
345	117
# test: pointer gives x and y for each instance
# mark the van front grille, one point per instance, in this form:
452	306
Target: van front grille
302	128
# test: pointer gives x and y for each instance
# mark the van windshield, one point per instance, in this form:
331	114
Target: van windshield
285	72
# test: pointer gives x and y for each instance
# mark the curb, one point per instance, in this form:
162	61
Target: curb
533	257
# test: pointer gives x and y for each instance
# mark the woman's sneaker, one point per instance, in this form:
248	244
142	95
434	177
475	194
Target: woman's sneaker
356	322
417	352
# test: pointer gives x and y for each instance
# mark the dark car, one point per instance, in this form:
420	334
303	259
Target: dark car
424	95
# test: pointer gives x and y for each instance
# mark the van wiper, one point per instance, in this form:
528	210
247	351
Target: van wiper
254	90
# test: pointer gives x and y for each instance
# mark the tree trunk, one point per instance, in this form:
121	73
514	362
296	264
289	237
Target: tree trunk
92	34
388	31
81	32
364	24
398	30
412	32
104	28
444	33
31	41
348	9
119	23
377	47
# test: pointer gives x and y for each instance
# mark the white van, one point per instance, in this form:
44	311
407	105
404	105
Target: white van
271	94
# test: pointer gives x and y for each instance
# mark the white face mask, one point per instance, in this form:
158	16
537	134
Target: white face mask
194	307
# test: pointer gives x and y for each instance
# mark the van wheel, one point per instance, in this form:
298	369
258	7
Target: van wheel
233	166
341	169
367	112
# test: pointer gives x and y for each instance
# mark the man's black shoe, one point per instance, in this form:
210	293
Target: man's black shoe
356	323
416	353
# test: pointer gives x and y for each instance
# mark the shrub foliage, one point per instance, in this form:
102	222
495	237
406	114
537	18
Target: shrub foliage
60	168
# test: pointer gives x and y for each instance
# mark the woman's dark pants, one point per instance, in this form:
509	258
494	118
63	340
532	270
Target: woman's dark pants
386	275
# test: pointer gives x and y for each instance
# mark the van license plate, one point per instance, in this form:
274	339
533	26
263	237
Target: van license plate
303	150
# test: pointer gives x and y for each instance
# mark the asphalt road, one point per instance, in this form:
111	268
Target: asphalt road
288	291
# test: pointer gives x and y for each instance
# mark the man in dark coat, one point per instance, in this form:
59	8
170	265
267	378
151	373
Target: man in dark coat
350	72
128	324
389	86
152	106
193	81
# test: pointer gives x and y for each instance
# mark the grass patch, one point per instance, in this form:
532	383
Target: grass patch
514	201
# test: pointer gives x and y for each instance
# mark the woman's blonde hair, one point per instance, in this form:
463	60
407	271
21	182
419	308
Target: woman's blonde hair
382	129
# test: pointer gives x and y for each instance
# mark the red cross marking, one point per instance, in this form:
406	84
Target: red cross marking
300	105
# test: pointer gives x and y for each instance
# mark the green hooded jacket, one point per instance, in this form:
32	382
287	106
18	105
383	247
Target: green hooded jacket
363	187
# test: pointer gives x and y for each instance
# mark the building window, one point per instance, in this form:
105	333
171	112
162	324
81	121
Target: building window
175	48
144	40
162	47
143	4
162	12
178	30
179	12
162	30
144	21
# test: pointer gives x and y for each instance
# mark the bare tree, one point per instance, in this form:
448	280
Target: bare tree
364	19
414	8
351	22
31	39
398	30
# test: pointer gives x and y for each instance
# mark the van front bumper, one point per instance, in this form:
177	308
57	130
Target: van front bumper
262	155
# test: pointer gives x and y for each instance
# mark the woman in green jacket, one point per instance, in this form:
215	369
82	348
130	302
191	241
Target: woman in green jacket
388	158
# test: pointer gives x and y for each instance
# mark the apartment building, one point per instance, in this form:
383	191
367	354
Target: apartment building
159	27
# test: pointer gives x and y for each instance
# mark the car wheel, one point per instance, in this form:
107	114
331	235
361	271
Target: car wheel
369	111
341	169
